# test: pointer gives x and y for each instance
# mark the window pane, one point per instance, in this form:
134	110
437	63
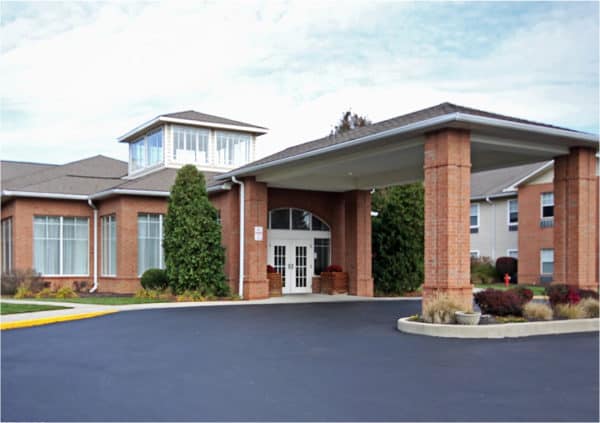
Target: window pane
474	215
513	211
322	254
301	219
137	153
548	211
150	254
233	148
548	199
7	250
155	147
279	219
75	246
318	224
109	246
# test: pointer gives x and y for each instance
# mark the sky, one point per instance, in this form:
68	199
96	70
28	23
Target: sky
75	76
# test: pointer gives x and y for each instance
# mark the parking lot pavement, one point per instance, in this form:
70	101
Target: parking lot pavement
325	361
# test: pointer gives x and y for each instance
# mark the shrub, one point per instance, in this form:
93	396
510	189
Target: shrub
398	238
154	279
65	292
45	293
271	269
440	309
507	265
565	294
191	296
333	268
590	307
525	294
569	311
194	255
483	271
537	311
27	278
151	294
23	292
499	303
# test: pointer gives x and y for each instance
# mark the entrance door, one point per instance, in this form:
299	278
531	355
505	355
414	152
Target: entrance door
293	260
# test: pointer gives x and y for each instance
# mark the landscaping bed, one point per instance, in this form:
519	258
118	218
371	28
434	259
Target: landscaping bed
500	314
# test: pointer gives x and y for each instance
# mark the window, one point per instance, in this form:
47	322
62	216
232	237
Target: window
190	145
547	205
61	245
474	254
513	214
109	245
512	253
322	254
146	151
474	218
7	248
233	149
296	219
547	261
150	234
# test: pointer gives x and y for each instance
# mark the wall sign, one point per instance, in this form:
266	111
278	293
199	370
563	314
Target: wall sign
258	233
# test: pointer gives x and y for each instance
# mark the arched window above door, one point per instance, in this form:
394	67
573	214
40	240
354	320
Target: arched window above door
297	220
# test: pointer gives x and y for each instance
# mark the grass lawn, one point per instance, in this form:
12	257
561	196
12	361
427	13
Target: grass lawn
537	290
105	300
10	308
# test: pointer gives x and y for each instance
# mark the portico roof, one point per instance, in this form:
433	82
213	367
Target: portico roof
391	152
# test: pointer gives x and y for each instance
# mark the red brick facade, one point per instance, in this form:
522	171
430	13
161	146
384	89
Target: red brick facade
447	230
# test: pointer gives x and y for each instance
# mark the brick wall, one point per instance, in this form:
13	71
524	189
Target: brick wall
532	238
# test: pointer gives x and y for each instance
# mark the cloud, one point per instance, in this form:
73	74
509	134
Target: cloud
76	76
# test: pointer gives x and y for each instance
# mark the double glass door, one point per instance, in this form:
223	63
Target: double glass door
294	261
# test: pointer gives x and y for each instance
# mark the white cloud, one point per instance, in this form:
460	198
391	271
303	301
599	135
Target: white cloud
69	89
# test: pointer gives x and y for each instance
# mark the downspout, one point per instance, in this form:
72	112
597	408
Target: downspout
489	201
93	206
241	276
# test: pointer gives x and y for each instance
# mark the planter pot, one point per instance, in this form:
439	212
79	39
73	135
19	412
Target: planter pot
463	318
334	283
274	284
316	284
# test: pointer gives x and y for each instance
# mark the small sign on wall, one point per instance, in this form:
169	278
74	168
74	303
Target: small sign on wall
258	233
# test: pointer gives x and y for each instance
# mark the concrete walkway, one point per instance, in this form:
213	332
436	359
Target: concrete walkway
91	310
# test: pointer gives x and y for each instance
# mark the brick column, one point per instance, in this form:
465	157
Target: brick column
576	219
447	230
256	284
358	242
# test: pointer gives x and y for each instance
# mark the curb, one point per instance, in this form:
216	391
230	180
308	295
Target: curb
496	331
50	320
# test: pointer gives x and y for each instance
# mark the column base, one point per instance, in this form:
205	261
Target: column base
256	290
364	288
463	295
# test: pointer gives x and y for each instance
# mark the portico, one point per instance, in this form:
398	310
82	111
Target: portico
332	178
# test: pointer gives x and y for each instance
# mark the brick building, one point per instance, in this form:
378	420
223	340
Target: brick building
99	220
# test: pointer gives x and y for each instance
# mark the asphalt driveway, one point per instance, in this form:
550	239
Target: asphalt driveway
342	361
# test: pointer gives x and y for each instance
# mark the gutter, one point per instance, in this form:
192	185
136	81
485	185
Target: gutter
93	206
422	126
242	230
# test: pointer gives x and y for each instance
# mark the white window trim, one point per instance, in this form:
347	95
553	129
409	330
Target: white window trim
478	214
512	250
477	253
8	240
60	250
542	262
508	222
542	205
160	234
112	218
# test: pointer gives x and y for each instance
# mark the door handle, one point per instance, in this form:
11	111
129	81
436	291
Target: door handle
290	265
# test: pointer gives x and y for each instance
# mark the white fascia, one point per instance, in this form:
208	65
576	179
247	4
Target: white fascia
49	195
189	122
423	126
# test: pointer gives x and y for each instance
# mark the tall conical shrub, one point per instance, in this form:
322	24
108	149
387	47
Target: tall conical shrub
194	256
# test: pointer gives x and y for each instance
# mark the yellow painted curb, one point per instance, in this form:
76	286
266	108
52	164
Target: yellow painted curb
50	320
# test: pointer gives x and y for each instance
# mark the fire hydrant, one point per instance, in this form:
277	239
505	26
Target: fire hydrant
506	279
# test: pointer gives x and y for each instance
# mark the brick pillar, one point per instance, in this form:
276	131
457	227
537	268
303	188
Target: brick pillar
447	230
358	242
256	284
576	219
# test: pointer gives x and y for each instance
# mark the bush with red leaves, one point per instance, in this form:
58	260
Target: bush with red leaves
271	269
565	294
500	303
334	268
525	294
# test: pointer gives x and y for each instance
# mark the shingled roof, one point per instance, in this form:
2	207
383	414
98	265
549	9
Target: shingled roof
396	122
492	183
203	117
